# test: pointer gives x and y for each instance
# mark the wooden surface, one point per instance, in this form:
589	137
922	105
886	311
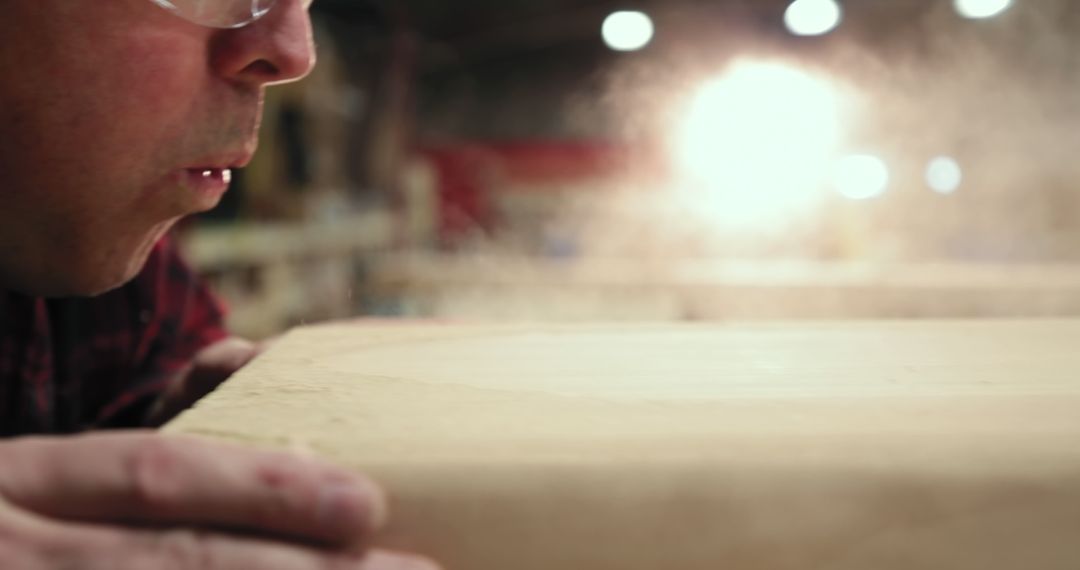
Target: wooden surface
878	445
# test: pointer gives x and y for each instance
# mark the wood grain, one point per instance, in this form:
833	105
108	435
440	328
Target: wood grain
883	445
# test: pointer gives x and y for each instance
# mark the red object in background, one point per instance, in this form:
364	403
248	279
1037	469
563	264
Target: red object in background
469	173
464	178
539	162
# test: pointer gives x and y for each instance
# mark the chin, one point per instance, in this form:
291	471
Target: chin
79	283
67	285
88	269
94	275
101	284
118	273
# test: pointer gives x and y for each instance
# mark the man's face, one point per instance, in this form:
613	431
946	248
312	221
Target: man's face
116	119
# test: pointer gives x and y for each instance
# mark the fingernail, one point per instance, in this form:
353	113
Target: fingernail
352	505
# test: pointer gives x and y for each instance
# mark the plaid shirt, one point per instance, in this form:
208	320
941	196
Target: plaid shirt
68	365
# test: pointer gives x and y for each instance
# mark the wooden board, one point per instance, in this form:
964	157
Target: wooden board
877	445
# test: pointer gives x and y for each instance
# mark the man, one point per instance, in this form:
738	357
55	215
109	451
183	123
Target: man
117	118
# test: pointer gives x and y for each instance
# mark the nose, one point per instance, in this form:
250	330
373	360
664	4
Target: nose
277	48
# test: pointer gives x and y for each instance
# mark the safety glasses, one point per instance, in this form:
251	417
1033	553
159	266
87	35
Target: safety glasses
221	13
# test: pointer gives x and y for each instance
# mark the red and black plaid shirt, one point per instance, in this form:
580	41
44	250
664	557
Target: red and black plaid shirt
68	365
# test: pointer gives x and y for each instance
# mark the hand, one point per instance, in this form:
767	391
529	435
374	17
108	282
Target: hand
139	500
210	367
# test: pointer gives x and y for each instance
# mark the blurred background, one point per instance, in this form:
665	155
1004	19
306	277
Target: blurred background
657	160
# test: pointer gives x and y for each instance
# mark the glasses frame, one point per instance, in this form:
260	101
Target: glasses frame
178	12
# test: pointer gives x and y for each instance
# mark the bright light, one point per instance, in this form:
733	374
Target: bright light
813	17
944	175
628	30
981	8
759	141
861	176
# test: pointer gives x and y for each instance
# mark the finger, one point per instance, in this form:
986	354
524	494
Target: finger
151	479
87	547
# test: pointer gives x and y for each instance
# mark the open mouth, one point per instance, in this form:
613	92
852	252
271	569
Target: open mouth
210	175
207	184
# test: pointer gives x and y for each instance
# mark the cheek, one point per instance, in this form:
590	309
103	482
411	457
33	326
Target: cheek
166	77
94	120
123	130
93	147
92	82
146	103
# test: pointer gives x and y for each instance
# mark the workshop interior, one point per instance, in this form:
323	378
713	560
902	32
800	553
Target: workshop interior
662	161
694	284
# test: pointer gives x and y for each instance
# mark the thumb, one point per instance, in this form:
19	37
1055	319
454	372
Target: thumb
210	367
216	363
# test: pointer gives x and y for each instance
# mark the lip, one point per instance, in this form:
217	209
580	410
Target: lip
205	181
207	185
224	161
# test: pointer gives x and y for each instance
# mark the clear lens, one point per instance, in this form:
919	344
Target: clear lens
219	13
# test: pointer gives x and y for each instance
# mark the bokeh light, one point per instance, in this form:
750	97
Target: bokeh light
813	17
628	30
944	175
977	9
861	176
761	139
